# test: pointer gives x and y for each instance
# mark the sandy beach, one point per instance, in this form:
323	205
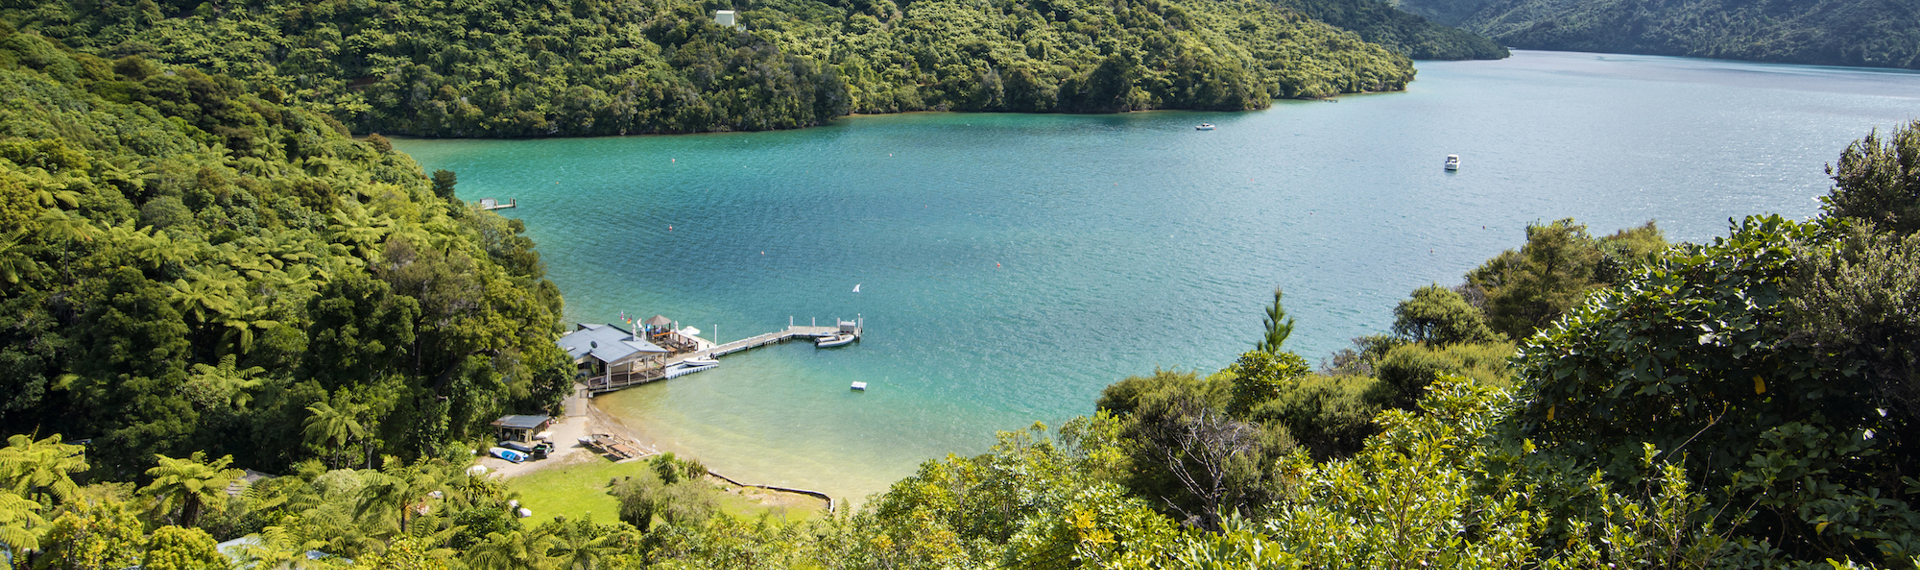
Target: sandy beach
581	418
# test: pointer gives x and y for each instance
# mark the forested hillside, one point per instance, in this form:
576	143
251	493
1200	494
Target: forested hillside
1871	33
196	276
189	264
1418	37
591	67
1578	402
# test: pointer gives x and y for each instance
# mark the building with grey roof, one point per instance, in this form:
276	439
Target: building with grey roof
606	350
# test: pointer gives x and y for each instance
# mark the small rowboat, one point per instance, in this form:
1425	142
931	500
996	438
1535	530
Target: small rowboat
507	454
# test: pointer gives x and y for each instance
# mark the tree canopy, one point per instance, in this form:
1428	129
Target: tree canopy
195	270
192	266
1870	33
517	68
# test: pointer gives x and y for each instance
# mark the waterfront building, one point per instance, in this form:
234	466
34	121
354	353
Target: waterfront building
604	351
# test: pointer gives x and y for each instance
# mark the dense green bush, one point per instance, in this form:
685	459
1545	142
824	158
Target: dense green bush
1439	316
1407	370
1878	181
188	265
1696	357
1523	290
519	68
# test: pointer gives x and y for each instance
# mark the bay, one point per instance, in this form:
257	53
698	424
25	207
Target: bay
1010	266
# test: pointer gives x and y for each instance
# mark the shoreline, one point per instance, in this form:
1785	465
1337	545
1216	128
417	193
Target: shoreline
1277	101
650	446
581	417
607	421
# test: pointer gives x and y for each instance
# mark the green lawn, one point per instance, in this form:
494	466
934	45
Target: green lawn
575	490
572	491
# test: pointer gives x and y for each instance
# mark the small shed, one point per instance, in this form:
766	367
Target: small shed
521	428
723	17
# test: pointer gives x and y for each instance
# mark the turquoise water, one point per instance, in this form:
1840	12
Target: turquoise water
1010	266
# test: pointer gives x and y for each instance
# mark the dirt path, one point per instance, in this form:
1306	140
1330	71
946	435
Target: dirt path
579	419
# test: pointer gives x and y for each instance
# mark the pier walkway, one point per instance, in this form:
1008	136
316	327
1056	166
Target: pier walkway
601	385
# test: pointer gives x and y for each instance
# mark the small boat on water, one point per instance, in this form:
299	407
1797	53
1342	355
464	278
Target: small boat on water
839	339
1453	162
859	386
701	361
684	368
1204	127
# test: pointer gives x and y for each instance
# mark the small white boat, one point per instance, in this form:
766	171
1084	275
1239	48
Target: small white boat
1204	127
859	386
841	339
701	361
683	368
1453	162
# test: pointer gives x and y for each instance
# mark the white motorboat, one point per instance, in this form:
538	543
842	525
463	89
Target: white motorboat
1453	162
679	369
1203	127
859	386
701	361
841	339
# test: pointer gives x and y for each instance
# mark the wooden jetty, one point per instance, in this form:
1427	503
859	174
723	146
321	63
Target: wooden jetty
601	385
492	204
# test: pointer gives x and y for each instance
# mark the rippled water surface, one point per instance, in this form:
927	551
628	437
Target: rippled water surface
1012	265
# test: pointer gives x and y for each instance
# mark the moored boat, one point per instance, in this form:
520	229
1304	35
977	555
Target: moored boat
859	386
1453	162
841	339
1204	127
684	368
